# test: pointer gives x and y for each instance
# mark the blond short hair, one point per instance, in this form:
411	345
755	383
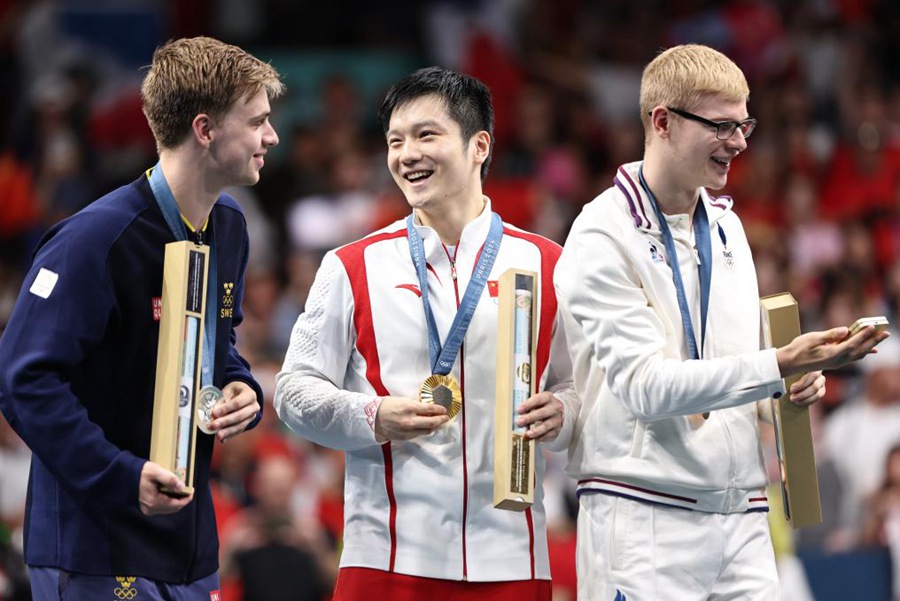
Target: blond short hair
680	76
193	76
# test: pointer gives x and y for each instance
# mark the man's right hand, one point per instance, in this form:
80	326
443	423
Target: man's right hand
155	502
402	418
816	351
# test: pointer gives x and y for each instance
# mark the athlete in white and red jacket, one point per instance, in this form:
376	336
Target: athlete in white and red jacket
419	516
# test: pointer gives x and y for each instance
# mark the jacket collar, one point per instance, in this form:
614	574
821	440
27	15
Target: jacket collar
641	210
470	241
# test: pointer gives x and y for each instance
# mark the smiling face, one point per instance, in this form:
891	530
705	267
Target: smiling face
428	158
696	155
239	140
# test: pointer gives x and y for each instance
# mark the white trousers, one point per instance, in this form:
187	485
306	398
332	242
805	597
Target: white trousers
634	551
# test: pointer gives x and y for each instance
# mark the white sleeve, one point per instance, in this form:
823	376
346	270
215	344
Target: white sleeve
559	382
308	394
598	286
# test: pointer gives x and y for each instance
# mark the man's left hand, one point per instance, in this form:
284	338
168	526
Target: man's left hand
234	413
543	415
808	389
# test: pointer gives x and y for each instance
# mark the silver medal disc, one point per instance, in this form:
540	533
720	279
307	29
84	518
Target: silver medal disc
206	402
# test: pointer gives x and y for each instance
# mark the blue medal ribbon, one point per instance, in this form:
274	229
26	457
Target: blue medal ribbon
704	248
444	356
166	201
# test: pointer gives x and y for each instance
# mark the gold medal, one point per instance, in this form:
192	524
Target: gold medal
442	390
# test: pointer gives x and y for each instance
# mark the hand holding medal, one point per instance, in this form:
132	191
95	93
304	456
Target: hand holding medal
207	400
403	418
441	388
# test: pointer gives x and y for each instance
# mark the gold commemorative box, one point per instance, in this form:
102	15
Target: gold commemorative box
793	433
179	359
516	342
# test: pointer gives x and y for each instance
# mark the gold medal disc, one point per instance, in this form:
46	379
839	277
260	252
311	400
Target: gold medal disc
442	390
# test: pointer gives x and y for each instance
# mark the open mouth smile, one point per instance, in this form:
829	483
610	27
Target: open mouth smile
417	176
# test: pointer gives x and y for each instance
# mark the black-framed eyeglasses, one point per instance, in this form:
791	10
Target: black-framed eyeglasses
724	129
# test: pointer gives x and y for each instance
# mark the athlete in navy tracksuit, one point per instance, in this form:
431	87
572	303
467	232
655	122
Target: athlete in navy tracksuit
78	357
79	369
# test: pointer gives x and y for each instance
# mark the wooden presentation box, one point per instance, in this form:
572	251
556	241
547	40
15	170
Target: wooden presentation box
793	434
179	359
516	342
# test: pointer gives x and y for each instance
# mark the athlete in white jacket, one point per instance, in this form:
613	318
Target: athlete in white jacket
667	360
419	516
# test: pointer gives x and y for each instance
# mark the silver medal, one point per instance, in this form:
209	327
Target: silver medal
206	402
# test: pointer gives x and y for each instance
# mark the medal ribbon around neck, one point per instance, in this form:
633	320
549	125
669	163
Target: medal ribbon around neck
443	357
166	201
704	248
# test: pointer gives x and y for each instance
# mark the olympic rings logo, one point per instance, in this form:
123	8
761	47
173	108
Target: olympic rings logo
125	592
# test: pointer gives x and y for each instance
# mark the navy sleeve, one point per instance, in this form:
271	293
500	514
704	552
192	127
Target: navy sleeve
62	313
236	367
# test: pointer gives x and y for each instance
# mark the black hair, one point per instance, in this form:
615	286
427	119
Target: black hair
467	99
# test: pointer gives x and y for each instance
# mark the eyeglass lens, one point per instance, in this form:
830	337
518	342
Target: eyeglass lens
726	129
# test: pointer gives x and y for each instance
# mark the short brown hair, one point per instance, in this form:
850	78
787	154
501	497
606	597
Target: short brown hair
193	76
679	76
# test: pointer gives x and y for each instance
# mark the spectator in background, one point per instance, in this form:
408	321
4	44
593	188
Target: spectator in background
15	459
20	224
862	175
882	520
886	234
299	174
275	554
300	270
761	194
15	462
344	212
871	424
892	292
815	244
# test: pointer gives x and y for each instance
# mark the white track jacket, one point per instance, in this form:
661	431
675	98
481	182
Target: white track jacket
640	433
421	507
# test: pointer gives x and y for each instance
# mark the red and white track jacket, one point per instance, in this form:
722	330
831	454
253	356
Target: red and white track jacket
421	507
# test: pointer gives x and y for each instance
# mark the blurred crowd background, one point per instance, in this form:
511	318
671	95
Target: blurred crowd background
818	192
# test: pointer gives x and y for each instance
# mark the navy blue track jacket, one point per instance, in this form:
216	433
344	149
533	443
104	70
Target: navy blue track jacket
77	373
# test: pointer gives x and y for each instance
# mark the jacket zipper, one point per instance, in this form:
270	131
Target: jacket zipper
462	386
